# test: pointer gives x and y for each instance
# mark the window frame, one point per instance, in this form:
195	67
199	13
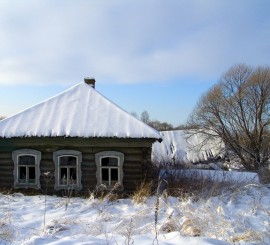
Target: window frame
56	157
15	157
114	154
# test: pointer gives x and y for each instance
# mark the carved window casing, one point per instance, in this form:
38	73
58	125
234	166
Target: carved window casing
110	169
67	169
26	168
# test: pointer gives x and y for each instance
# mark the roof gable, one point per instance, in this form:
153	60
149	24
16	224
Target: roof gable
80	111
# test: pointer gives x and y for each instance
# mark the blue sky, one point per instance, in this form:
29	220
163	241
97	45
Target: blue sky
153	55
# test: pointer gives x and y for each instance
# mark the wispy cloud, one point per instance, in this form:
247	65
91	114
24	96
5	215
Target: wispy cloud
128	42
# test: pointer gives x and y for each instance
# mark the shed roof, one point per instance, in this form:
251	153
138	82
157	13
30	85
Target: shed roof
80	111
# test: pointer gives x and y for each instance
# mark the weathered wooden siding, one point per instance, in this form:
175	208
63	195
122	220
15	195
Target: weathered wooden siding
6	169
137	154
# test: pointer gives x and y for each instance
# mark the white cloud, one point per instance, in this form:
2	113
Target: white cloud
124	41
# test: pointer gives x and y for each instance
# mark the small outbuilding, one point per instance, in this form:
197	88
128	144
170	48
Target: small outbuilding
76	140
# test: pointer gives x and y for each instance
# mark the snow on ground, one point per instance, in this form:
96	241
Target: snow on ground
241	216
177	146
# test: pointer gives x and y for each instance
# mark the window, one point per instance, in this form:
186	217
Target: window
26	168
67	169
109	168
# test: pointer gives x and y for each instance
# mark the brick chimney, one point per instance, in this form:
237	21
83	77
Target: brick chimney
91	81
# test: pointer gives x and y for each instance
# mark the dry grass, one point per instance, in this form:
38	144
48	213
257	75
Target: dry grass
195	186
112	197
143	191
248	236
189	214
102	192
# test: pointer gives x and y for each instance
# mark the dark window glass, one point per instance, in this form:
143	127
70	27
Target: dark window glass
63	176
22	173
68	161
114	174
26	160
105	174
73	174
32	173
109	161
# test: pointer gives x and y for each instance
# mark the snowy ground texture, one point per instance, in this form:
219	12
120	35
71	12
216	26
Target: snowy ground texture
241	216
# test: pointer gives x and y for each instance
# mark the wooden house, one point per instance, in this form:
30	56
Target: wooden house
76	140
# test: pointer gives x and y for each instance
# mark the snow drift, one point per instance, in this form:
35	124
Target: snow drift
235	217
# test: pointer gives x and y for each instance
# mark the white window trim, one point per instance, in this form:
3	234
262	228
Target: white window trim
56	157
115	154
15	157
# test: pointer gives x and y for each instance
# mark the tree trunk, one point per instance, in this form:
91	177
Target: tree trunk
264	174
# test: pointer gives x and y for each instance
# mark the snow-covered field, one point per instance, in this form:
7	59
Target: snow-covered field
241	216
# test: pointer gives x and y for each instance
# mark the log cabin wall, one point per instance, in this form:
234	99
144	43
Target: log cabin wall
137	159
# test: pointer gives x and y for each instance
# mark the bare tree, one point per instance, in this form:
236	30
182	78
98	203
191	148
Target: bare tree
185	127
134	114
145	117
161	126
237	110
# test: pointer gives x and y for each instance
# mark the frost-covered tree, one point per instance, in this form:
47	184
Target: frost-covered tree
237	109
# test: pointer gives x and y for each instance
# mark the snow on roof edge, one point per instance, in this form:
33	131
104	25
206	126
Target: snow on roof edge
146	125
43	101
151	132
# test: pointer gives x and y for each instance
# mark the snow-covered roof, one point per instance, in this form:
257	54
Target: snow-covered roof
181	147
80	111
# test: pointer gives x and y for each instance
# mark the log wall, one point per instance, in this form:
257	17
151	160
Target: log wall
137	157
